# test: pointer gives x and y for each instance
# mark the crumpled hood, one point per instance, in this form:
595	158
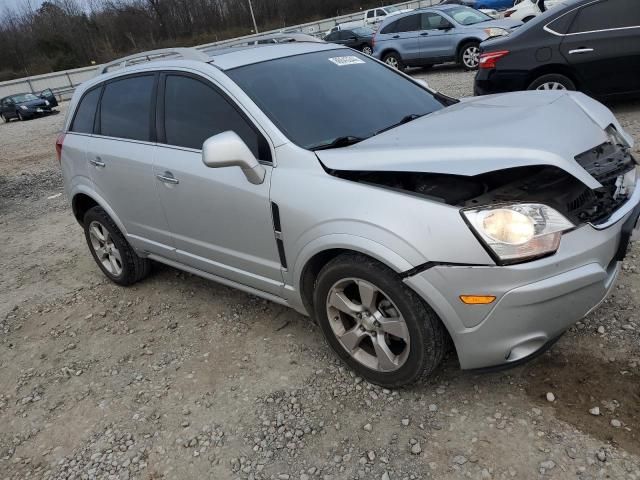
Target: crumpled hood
507	23
485	134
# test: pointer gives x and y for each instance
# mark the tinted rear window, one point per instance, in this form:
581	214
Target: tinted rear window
125	110
318	97
606	15
86	112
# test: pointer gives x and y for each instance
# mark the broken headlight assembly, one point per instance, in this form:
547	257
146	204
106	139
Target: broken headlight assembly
514	233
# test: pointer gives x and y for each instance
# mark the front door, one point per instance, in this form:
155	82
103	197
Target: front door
438	37
221	222
120	159
603	46
50	97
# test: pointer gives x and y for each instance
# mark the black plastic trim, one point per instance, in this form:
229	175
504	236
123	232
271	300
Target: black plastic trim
428	265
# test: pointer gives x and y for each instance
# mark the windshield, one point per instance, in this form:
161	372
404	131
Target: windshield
363	31
318	98
24	97
467	15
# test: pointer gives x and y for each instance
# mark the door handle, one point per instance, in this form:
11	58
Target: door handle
167	177
396	36
580	50
424	34
97	162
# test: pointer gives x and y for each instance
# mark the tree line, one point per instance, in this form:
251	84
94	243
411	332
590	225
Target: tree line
65	34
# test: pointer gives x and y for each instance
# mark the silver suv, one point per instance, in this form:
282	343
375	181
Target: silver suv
398	222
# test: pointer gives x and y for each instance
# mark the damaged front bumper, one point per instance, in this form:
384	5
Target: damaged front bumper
536	301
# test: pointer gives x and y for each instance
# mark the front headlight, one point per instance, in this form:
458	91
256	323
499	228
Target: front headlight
518	232
23	107
496	32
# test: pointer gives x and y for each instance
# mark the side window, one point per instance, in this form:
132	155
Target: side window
391	28
410	23
371	14
381	13
195	111
606	15
433	21
86	112
562	24
331	37
125	109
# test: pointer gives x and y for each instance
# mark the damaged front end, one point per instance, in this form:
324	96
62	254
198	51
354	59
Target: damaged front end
546	200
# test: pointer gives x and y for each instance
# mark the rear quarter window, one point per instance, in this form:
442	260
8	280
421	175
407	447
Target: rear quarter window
86	112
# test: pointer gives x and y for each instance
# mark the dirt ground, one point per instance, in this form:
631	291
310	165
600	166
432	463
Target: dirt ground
181	378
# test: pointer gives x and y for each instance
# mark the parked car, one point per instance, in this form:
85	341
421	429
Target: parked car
586	45
358	39
345	26
374	16
473	4
288	171
438	34
526	10
24	106
481	4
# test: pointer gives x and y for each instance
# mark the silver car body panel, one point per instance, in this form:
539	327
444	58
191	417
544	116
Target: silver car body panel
319	212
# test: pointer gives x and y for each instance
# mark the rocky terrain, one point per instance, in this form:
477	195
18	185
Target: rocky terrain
181	378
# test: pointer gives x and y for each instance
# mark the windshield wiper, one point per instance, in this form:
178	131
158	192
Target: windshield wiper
338	142
404	120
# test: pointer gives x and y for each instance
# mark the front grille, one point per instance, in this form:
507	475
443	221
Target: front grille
607	163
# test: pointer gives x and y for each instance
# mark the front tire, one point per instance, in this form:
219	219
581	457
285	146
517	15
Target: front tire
394	61
552	81
375	323
4	119
111	251
469	56
21	117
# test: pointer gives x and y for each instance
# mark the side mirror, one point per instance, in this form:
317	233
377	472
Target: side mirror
228	150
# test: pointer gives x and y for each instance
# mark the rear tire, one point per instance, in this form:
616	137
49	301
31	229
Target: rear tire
391	354
4	119
367	50
394	61
553	81
469	56
111	251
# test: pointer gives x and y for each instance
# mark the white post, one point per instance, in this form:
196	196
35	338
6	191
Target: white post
255	26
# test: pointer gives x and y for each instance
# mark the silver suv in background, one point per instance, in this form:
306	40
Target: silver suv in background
446	33
367	212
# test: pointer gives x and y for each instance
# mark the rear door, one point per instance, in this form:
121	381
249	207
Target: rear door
407	35
222	224
120	156
603	47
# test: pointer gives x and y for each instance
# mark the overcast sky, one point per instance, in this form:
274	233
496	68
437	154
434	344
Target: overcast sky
16	3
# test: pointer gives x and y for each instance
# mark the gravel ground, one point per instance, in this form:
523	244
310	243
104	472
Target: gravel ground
181	378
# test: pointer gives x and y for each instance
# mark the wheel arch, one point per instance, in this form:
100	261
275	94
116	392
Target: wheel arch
387	51
466	41
82	199
318	253
552	68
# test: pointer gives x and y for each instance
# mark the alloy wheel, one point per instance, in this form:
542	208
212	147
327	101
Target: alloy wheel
368	325
392	62
471	56
367	50
106	251
552	86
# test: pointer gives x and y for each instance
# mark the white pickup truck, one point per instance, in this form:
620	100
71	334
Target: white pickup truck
376	15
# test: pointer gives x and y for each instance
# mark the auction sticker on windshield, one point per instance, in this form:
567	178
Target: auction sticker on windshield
349	60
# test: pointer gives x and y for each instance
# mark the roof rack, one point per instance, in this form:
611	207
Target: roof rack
266	39
151	55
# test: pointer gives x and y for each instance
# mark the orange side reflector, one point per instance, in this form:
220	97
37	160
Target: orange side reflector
477	299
